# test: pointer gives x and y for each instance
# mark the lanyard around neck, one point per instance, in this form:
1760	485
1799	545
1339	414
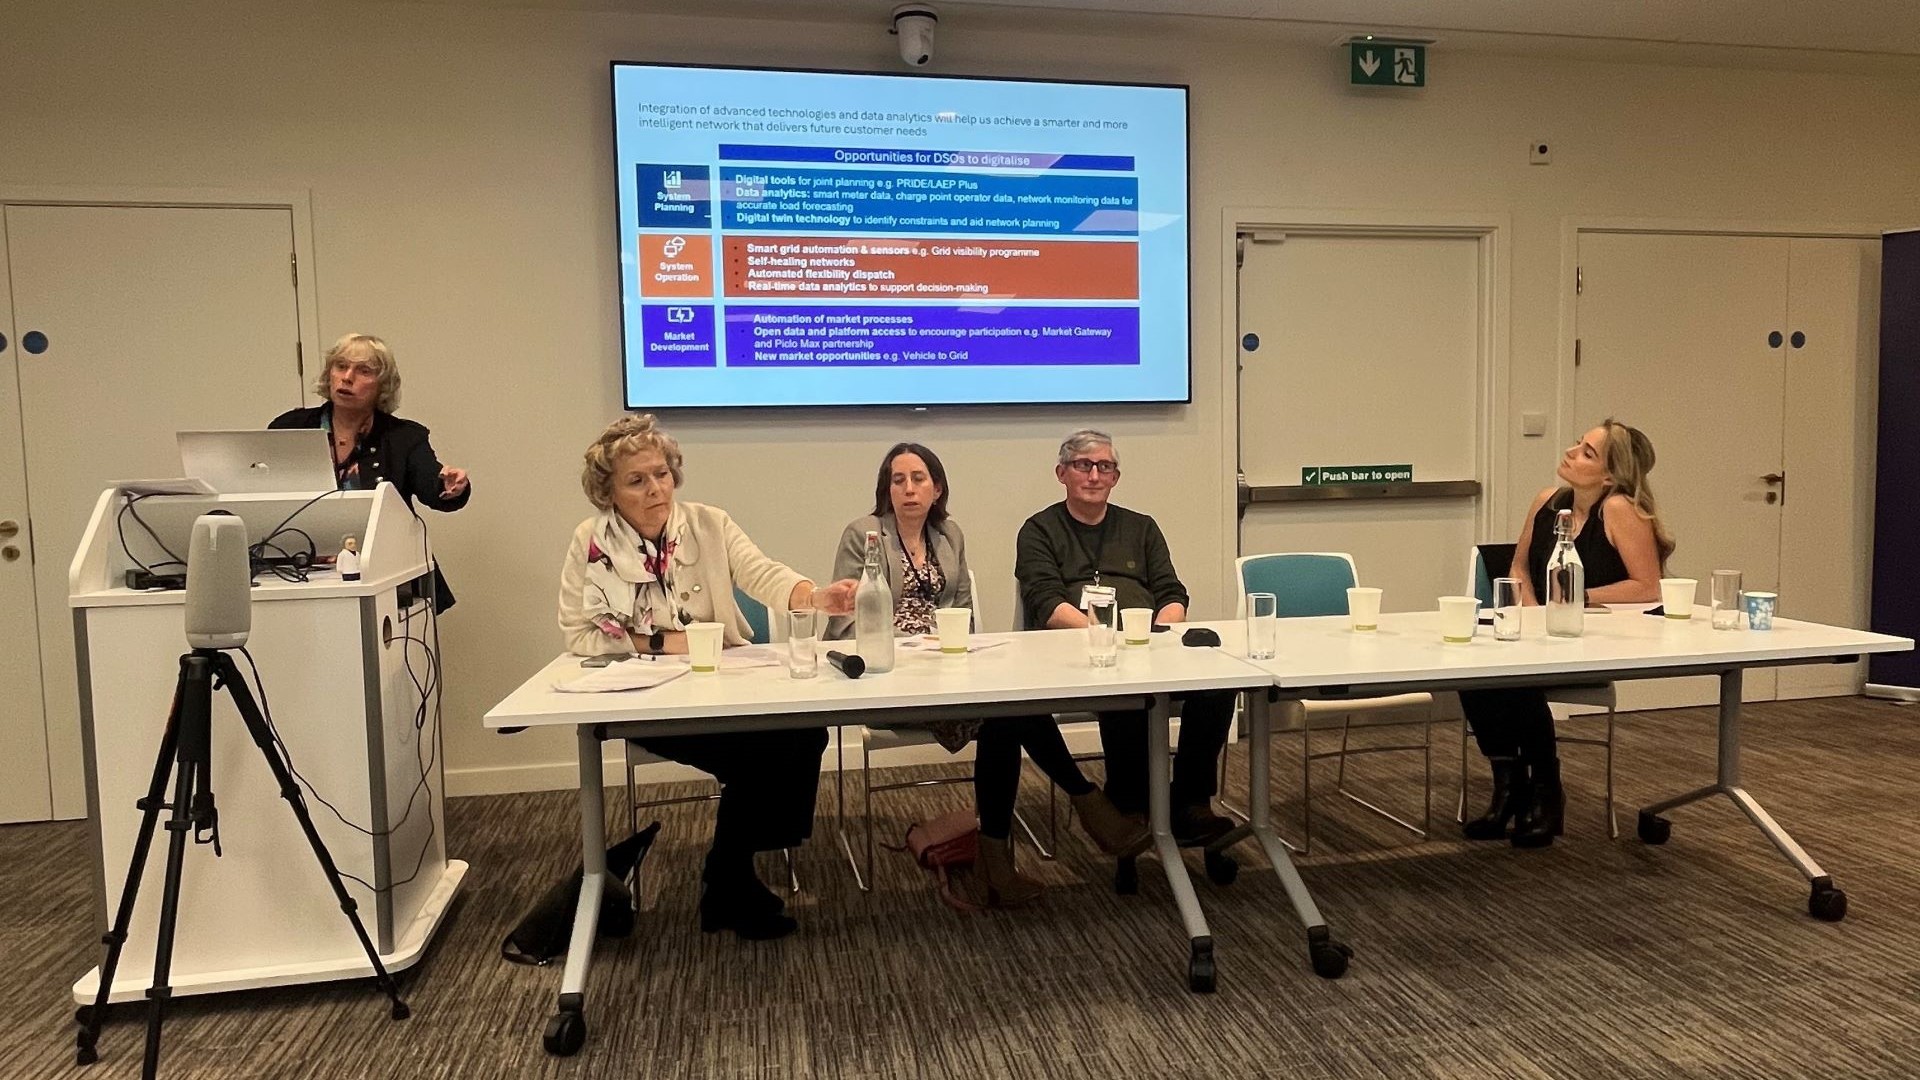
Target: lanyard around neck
1093	554
923	582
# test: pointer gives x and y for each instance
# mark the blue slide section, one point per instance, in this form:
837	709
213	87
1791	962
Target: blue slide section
888	201
965	182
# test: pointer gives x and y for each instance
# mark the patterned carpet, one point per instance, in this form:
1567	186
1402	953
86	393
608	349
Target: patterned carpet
1590	959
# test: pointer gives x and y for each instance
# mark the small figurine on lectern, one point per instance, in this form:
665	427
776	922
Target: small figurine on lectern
348	561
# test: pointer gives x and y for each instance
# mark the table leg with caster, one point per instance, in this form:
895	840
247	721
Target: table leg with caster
1824	900
1328	955
566	1030
1200	966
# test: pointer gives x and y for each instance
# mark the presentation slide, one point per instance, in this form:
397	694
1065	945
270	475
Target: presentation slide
816	238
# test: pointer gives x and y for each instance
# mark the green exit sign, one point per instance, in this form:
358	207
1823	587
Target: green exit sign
1383	63
1330	475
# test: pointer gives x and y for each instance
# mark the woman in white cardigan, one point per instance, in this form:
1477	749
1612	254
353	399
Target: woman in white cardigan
638	572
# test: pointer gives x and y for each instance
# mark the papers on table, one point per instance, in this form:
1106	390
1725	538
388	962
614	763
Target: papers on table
634	674
646	672
746	656
931	643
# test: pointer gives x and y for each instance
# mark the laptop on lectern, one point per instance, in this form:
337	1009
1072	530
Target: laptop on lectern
287	460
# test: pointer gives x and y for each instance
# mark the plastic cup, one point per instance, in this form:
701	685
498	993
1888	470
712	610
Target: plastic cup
1677	596
703	646
1760	607
1459	616
1136	625
1363	609
954	624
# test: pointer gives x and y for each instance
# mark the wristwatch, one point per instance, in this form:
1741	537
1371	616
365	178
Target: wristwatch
656	642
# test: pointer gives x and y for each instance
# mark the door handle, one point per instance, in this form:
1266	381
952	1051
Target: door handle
9	529
1775	478
1779	480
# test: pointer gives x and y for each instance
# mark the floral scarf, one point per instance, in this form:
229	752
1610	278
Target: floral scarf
630	577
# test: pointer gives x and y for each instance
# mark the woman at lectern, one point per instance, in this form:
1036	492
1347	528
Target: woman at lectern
360	383
1616	529
642	569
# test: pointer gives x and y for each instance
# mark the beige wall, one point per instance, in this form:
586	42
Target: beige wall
459	165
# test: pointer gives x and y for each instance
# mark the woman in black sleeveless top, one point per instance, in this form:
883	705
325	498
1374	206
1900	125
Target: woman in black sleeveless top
1624	546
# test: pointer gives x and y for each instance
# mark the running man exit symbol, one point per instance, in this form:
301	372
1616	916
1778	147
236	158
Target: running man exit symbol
1376	63
1405	68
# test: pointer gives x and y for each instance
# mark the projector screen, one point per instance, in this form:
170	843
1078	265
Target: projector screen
822	238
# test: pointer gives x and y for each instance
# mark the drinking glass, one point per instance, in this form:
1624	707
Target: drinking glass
1728	612
1506	609
803	644
1103	642
1263	625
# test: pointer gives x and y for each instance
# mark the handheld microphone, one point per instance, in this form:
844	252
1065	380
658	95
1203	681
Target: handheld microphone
851	666
219	607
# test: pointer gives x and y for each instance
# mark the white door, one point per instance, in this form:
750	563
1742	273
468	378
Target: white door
24	791
1369	352
1826	515
155	319
1675	339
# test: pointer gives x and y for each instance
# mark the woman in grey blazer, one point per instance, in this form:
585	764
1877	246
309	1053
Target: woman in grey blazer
926	567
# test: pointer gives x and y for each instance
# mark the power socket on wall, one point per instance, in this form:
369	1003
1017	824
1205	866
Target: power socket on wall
1540	152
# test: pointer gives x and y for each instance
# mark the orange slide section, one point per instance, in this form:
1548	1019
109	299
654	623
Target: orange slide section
887	268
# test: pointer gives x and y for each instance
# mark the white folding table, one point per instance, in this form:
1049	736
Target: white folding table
1043	671
1322	658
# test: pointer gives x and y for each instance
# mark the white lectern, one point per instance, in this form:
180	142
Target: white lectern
343	666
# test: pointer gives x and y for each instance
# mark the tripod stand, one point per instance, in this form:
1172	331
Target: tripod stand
186	750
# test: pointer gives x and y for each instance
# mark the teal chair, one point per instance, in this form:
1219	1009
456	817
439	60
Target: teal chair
1596	695
761	633
1308	584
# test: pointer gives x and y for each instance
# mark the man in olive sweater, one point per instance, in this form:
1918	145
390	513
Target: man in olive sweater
1086	540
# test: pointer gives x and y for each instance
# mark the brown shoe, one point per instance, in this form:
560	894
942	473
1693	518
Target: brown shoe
1116	833
992	881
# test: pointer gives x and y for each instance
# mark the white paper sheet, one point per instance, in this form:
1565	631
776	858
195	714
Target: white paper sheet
635	674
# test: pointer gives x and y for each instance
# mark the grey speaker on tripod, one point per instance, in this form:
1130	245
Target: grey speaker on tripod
219	616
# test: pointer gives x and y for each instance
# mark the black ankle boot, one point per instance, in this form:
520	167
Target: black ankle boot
1509	796
732	898
1546	808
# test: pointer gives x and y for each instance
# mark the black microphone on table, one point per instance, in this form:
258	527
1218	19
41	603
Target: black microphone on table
849	665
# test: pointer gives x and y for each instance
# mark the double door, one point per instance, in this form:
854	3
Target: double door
1748	361
119	326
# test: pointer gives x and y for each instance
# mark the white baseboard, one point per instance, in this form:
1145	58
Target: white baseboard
1081	738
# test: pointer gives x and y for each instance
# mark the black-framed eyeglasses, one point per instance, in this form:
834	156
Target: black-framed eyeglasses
1084	466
